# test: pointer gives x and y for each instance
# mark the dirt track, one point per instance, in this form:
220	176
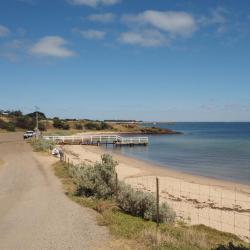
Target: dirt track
34	212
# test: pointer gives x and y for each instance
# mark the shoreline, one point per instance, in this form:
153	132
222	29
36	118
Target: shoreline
150	168
222	205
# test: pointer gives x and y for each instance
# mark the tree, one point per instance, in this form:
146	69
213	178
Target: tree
57	123
41	116
26	122
16	113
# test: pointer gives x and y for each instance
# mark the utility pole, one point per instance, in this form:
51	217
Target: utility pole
37	129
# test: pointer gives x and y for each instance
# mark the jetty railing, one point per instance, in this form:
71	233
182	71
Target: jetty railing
99	139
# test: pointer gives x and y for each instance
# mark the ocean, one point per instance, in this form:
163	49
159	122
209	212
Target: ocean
217	150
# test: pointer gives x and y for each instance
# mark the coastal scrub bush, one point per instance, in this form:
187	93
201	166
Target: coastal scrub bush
142	204
25	122
97	180
97	126
78	126
9	126
92	126
42	126
41	145
57	123
104	125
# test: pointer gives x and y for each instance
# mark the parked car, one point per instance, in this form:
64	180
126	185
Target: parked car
29	134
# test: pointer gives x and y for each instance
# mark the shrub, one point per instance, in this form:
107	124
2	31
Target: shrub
97	125
92	126
78	126
42	126
42	145
26	122
2	123
97	180
9	126
15	113
41	116
104	125
139	203
57	123
66	126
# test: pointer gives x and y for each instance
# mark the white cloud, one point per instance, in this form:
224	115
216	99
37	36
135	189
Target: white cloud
173	22
103	18
93	3
91	34
146	38
53	46
4	31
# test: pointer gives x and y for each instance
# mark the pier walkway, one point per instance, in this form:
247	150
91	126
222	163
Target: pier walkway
99	139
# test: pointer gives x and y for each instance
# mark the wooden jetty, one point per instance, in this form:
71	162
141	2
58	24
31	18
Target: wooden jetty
98	140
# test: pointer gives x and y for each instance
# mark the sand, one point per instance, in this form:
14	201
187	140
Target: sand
197	200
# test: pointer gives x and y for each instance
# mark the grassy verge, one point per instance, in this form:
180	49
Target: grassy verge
136	233
43	146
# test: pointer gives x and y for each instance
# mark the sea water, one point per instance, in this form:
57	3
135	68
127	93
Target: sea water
217	150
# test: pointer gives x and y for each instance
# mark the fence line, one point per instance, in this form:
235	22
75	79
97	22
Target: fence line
224	210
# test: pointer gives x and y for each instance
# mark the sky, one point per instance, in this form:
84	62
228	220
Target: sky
152	60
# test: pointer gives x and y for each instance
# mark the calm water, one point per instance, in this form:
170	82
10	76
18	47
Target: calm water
218	150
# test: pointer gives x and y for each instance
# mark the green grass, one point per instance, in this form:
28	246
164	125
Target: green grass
137	233
41	145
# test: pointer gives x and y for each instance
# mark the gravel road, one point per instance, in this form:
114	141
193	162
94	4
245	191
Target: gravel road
34	211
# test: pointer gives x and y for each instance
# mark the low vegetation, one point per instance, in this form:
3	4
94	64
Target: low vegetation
143	204
41	145
97	126
57	123
8	126
122	211
99	181
16	120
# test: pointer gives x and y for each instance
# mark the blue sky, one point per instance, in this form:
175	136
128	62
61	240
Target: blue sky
127	59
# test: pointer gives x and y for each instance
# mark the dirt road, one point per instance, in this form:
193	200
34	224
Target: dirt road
34	212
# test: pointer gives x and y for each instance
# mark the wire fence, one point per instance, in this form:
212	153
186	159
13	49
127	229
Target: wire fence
221	209
227	210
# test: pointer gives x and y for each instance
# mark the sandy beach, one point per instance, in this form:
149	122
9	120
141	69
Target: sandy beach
197	200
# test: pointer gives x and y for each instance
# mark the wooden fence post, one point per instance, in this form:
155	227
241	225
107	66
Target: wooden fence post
116	185
157	202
